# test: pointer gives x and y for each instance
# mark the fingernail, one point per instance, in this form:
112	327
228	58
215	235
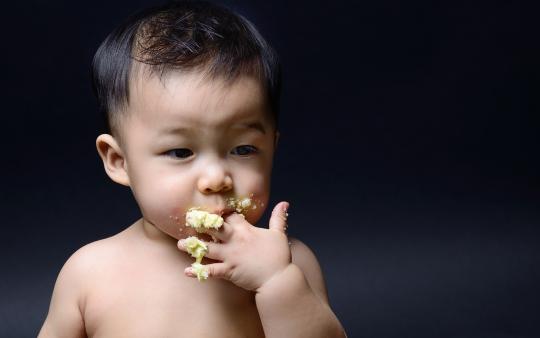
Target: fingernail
285	207
189	272
181	243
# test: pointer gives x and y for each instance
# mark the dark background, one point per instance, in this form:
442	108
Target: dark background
408	153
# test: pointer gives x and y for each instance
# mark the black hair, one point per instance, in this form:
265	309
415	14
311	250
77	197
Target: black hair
182	35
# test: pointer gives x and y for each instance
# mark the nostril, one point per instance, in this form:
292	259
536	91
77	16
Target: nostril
215	183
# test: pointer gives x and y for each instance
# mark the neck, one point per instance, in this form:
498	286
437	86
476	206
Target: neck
155	235
152	233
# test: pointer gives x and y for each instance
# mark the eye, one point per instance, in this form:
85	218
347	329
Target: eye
244	150
181	153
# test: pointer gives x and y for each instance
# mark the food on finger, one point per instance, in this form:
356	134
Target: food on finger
201	220
200	271
196	248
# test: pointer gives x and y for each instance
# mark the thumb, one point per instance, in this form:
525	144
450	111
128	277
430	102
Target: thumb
278	220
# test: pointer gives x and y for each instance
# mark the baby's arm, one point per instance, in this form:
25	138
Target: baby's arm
287	279
295	303
65	318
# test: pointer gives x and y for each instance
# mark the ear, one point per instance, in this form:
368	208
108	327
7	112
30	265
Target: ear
113	159
276	139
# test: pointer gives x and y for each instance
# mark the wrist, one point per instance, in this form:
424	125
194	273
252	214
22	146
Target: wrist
288	280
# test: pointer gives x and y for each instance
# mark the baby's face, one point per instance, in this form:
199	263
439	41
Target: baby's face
191	142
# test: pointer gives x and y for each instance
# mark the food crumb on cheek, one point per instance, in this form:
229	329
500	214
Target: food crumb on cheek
175	218
243	204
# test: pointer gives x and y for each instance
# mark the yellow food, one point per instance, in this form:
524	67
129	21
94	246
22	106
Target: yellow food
196	248
200	271
240	204
201	220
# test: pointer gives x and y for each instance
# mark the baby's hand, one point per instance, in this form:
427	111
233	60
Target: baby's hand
248	256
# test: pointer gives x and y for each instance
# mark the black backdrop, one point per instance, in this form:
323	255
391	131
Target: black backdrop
408	153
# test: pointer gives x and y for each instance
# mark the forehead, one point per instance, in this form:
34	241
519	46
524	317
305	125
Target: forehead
189	99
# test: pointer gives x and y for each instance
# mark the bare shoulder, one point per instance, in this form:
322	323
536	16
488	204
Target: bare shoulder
65	314
306	260
66	310
84	262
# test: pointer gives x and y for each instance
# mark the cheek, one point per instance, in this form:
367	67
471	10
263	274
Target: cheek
257	187
163	201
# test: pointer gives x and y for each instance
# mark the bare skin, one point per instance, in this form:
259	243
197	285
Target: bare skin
145	294
142	291
188	142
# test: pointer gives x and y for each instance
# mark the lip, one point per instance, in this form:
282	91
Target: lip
223	212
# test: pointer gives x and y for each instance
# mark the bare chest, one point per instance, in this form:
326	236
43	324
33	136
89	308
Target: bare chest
134	304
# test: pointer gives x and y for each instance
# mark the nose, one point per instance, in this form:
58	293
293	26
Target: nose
214	178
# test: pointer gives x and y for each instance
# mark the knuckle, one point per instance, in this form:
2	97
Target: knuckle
228	266
237	251
228	270
243	234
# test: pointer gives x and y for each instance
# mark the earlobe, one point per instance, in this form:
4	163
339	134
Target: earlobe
276	140
113	158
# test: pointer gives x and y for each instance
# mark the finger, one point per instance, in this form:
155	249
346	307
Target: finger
214	270
213	250
223	233
235	218
278	220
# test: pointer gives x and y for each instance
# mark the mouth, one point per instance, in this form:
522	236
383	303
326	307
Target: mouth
223	211
240	205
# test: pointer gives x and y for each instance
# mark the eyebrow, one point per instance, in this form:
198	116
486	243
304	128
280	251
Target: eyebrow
256	125
253	125
178	130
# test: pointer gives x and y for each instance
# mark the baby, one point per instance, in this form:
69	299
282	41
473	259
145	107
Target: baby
190	91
